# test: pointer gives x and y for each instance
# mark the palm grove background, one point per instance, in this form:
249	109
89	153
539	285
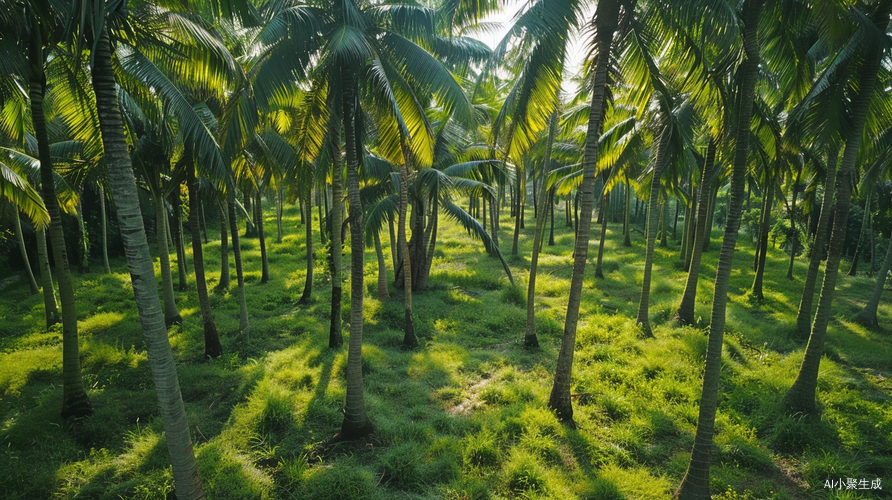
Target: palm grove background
718	165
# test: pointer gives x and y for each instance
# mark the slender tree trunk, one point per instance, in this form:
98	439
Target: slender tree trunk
104	230
85	242
171	313
145	289
803	316
652	213
264	259
335	335
685	313
395	255
409	339
182	266
203	224
75	403
431	244
853	271
695	484
801	397
627	228
795	235
280	209
25	261
224	248
518	217
308	236
868	316
675	223
710	214
356	422
559	400
46	279
382	270
250	228
212	347
322	236
244	326
530	340
664	224
763	243
599	270
551	211
873	248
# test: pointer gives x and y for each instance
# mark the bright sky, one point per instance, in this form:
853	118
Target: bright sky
575	54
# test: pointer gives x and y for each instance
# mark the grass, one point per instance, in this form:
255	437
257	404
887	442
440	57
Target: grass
462	417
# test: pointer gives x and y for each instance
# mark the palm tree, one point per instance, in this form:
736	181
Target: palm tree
868	315
695	484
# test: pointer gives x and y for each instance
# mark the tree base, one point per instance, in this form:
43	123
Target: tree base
867	320
799	404
212	347
352	432
76	406
531	341
410	341
174	320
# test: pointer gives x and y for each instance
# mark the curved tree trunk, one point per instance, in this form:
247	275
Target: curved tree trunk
75	402
801	397
559	399
25	261
763	243
171	313
382	270
212	347
104	230
335	336
264	259
652	222
145	289
868	316
695	484
308	236
803	316
225	278
46	279
530	339
685	313
356	422
244	326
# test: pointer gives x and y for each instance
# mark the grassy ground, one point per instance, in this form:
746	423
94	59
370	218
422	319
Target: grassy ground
463	416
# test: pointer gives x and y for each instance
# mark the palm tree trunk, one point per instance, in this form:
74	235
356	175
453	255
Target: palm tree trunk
695	484
803	316
710	214
599	270
321	218
75	403
179	236
244	326
382	270
664	224
801	397
795	235
394	254
171	313
145	289
264	259
335	335
84	243
280	209
46	279
518	218
652	222
763	242
204	224
685	313
559	400
25	261
431	240
212	347
675	223
225	278
410	341
868	316
104	230
308	237
551	212
627	228
865	219
356	422
530	340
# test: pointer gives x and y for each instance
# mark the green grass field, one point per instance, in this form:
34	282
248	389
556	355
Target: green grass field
462	417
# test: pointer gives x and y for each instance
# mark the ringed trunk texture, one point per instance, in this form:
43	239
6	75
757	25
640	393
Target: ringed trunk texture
802	395
803	316
356	422
75	403
685	313
559	400
212	347
139	261
409	339
171	313
335	336
695	484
